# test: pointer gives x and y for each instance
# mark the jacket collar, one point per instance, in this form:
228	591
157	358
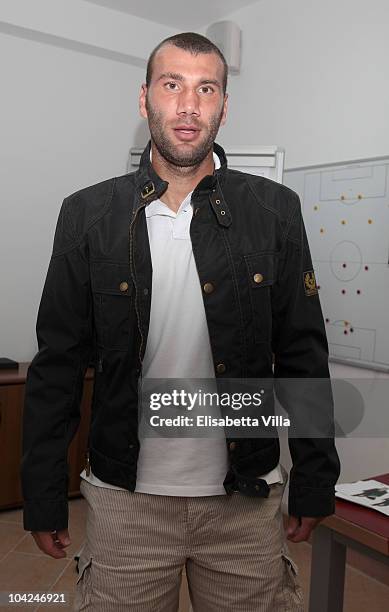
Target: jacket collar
150	186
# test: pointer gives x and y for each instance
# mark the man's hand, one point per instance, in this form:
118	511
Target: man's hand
52	542
299	529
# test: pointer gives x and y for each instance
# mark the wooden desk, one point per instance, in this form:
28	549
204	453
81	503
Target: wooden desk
12	387
358	527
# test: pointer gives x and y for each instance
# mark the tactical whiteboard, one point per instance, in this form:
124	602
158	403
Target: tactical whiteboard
346	214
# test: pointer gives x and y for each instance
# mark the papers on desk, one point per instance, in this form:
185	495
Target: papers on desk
370	493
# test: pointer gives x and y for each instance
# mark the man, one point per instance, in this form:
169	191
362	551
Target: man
183	269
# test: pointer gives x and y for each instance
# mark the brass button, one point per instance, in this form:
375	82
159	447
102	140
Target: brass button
232	445
258	278
123	286
220	368
208	288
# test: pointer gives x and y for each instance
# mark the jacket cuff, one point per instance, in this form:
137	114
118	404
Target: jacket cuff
311	501
45	515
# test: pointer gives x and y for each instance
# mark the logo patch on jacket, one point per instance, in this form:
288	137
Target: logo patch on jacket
310	285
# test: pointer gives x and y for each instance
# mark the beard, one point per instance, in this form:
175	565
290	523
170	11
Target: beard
171	152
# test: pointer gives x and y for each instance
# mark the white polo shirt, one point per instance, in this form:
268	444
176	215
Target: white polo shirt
178	346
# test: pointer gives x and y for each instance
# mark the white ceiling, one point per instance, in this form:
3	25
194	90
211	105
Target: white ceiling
176	13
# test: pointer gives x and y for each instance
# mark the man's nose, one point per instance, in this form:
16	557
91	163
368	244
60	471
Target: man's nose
188	103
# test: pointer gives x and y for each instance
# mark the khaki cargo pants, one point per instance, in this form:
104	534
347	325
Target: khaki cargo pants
233	549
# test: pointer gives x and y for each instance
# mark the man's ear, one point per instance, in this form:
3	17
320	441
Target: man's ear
142	101
225	107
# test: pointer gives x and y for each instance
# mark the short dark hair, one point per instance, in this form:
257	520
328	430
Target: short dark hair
192	42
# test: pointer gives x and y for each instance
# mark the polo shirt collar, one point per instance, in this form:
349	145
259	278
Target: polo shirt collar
157	207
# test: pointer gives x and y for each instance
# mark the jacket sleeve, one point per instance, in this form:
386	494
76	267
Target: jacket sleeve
301	352
55	380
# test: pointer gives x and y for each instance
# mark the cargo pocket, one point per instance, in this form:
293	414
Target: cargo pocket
113	301
261	270
293	593
84	583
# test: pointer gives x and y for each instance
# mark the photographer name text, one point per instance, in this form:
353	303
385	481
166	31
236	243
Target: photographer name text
209	421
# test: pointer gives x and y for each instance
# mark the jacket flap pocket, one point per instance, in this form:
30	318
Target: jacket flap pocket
261	268
111	278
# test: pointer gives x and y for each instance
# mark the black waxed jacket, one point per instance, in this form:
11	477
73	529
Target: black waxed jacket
250	245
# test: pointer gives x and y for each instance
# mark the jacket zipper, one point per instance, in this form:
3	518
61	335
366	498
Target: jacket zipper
87	460
140	377
136	288
87	464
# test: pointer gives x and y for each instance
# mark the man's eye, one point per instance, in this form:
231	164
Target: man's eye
206	89
171	85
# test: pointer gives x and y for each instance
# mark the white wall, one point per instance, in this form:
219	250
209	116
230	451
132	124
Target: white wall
313	79
67	120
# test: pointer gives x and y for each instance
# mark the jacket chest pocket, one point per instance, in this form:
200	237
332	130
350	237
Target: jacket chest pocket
113	300
261	271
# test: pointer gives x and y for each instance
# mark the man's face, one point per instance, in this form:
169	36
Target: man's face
184	104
